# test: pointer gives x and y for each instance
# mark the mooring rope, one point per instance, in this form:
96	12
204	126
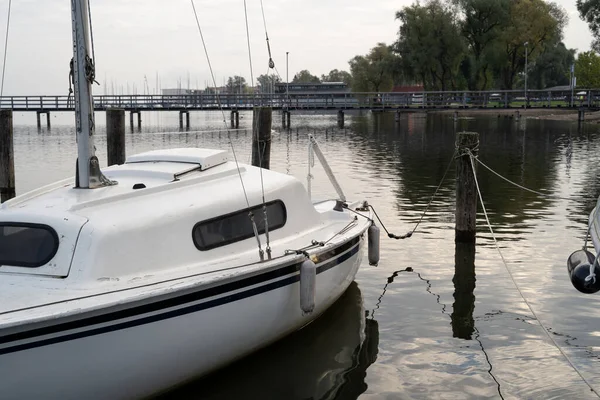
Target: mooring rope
511	182
472	158
5	48
410	233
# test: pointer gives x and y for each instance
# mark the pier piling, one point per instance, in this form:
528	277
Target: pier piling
261	137
115	136
340	118
7	162
466	189
39	119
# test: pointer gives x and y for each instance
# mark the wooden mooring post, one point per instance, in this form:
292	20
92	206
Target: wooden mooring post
340	118
235	119
466	189
115	136
7	161
261	137
39	119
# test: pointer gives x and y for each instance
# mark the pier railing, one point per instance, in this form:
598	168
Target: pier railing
581	98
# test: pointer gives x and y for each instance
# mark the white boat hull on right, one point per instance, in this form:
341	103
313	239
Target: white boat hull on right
126	358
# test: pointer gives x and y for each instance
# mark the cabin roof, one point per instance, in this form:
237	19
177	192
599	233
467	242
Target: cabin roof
152	174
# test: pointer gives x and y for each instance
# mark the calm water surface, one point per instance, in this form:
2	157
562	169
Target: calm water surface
456	327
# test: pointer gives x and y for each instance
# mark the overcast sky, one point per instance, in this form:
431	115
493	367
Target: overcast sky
134	38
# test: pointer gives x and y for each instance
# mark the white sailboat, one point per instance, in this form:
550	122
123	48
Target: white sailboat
130	279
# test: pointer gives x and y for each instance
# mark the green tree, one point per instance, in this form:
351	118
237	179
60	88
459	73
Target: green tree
587	70
373	72
589	10
552	67
482	23
430	44
305	76
267	83
534	25
337	76
236	84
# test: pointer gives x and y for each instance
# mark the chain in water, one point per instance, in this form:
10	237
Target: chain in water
472	158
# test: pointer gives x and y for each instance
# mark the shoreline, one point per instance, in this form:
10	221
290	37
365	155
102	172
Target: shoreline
537	113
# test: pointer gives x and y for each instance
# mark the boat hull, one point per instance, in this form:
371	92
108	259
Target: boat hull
143	354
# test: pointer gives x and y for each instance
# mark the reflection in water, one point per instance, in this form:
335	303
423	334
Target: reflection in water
464	285
328	359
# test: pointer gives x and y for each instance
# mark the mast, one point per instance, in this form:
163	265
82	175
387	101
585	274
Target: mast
88	174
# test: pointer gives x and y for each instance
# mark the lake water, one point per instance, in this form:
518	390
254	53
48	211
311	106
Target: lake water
449	329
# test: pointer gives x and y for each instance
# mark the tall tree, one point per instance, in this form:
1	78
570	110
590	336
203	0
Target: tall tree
587	70
589	10
305	76
267	83
534	25
552	67
236	84
430	44
373	72
337	76
482	24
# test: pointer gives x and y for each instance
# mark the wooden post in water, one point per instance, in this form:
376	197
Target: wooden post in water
466	189
340	118
7	162
115	136
261	137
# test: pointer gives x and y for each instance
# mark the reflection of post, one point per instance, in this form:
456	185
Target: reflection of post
464	285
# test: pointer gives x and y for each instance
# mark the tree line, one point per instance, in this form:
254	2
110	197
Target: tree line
472	45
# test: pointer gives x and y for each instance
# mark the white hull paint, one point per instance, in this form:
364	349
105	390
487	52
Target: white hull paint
141	360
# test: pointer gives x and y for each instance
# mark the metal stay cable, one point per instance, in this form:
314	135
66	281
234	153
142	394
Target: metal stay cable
251	215
5	48
271	63
519	290
248	39
262	186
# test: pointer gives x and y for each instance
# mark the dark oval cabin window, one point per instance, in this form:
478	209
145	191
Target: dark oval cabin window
234	227
27	245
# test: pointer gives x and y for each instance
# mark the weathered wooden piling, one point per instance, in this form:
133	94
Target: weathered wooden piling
39	118
7	162
139	118
261	137
466	189
340	118
581	115
235	119
187	119
397	116
115	136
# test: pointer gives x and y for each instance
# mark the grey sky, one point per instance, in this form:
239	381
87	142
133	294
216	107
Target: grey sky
134	38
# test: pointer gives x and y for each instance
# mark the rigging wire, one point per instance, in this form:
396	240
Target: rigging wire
262	9
91	32
5	48
249	52
566	357
251	215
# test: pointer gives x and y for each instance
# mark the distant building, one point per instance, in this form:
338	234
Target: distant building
312	88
